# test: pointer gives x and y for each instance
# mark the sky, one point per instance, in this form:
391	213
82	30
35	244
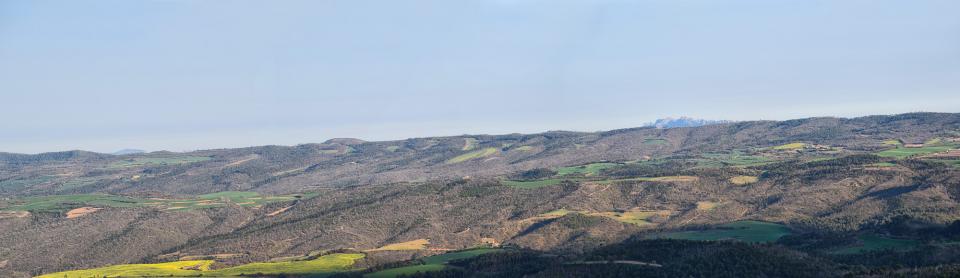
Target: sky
184	75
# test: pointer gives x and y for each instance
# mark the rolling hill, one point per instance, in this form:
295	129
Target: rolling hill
568	200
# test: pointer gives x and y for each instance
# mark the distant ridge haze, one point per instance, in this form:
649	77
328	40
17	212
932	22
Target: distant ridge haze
662	123
683	122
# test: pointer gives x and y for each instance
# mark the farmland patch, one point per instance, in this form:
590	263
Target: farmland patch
743	180
749	231
472	155
591	169
418	244
322	266
903	152
790	146
81	211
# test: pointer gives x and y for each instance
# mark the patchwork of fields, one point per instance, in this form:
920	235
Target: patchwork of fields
324	265
63	203
902	152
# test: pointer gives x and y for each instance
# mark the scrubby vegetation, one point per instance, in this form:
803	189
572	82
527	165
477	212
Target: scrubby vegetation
845	203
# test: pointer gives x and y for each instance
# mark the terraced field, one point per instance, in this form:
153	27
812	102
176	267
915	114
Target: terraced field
324	265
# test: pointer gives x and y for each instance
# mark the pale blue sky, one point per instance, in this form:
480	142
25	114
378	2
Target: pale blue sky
198	74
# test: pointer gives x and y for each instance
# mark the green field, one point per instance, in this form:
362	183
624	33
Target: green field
406	270
78	182
324	265
873	242
655	141
791	146
524	148
591	169
327	264
432	263
147	161
472	155
61	203
531	184
882	164
901	152
749	231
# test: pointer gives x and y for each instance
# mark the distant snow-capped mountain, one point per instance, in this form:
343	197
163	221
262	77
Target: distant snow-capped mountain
683	122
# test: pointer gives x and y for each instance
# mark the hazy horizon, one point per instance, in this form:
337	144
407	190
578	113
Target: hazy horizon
529	131
182	75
